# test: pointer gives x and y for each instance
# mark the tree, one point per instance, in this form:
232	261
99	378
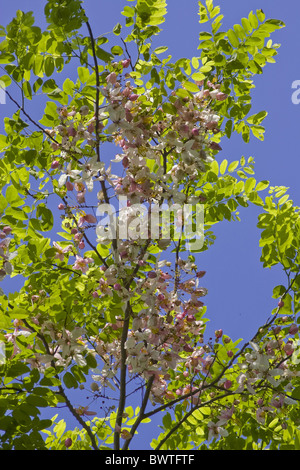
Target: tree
113	307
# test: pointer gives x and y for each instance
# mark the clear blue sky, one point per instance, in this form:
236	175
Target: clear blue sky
240	290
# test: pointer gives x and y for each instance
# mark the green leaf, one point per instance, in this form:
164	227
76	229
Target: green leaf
189	86
69	380
27	90
198	77
19	313
59	428
12	196
167	421
49	66
46	216
253	20
103	55
262	185
117	29
161	49
129	12
6	58
68	87
223	166
233	38
50	117
116	50
250	185
257	118
233	166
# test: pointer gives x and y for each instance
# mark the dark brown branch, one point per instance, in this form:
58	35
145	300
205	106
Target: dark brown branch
141	413
122	399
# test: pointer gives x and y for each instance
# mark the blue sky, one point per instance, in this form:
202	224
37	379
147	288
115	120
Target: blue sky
239	289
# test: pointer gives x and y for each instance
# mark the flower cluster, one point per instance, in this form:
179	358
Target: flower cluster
160	148
5	255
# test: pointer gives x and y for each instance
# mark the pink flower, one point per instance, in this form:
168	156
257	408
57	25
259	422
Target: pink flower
78	237
54	165
111	78
288	349
293	329
227	384
215	146
83	410
126	63
125	162
69	186
133	97
211	125
89	218
61	251
81	197
82	263
91	128
68	442
71	131
221	96
152	275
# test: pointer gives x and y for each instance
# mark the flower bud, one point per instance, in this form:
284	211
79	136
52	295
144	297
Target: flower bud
125	63
227	384
94	387
68	442
152	275
200	274
54	165
293	329
69	186
288	349
221	96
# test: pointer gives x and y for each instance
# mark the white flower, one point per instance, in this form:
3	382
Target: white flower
215	431
90	170
243	381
